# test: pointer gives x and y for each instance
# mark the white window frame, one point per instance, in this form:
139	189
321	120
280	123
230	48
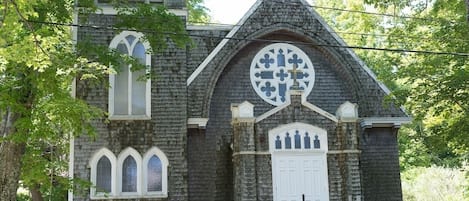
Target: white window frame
113	45
93	165
164	173
120	161
116	174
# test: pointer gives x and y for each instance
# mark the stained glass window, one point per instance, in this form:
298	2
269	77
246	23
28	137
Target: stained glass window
307	141
103	175
154	174
317	143
130	88
278	143
276	67
297	140
129	175
287	141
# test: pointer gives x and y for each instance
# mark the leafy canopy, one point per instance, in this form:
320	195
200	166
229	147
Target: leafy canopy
39	61
434	88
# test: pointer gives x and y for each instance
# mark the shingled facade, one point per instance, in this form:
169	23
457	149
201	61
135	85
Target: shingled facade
273	108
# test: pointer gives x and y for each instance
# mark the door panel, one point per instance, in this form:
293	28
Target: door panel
298	175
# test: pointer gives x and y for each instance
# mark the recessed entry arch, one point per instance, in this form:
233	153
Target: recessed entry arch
299	162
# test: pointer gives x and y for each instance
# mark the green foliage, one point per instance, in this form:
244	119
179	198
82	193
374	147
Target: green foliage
157	23
413	152
23	197
197	12
434	88
434	184
39	61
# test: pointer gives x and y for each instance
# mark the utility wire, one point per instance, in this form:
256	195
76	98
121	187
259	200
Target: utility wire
362	12
257	40
193	23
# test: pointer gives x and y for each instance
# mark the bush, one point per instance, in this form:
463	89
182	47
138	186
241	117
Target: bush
22	197
434	184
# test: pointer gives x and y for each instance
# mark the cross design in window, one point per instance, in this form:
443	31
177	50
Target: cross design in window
267	61
268	89
277	68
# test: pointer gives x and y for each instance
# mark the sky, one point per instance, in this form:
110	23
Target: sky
228	11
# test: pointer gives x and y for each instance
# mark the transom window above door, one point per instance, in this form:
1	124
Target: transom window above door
298	139
129	93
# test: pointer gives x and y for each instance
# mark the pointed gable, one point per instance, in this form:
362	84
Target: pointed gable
297	23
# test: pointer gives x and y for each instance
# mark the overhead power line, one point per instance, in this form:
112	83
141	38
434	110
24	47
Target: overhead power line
345	33
363	12
259	40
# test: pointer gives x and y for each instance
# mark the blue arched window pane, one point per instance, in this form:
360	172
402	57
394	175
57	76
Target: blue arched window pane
288	141
139	82
139	52
121	87
297	140
154	174
103	175
307	140
278	143
129	175
317	143
130	39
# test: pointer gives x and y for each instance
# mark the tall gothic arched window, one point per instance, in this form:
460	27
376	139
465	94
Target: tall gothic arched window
129	93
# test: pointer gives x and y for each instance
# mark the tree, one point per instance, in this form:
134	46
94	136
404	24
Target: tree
197	12
433	82
467	5
38	61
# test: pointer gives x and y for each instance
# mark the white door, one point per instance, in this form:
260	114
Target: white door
299	177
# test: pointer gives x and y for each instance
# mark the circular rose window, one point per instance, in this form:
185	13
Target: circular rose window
278	68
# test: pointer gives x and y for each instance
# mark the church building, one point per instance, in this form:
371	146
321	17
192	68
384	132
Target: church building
274	108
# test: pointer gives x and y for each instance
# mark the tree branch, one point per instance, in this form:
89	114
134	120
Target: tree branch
5	10
30	27
467	13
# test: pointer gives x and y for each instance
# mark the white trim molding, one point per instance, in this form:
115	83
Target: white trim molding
395	122
116	174
129	152
347	151
222	44
109	10
257	153
320	111
304	102
194	27
71	163
197	123
93	168
164	173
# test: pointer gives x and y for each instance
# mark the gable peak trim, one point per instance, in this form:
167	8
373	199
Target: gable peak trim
223	42
304	102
